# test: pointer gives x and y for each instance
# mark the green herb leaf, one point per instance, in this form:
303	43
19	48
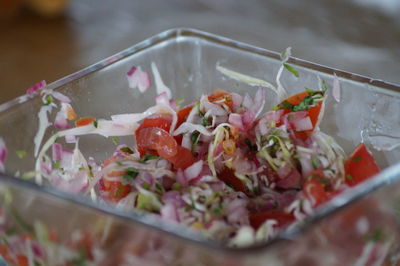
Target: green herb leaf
250	145
21	154
357	159
147	157
57	164
377	235
194	138
324	87
146	186
115	140
218	211
201	113
131	173
292	70
95	123
49	99
304	104
126	150
159	187
176	186
206	121
121	188
349	177
24	225
315	163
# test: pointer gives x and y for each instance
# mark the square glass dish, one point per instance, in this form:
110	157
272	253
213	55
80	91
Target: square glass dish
359	227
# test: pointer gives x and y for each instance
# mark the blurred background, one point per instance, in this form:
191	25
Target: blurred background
48	39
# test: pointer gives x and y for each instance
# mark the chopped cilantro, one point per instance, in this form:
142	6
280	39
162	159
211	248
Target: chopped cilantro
49	99
159	186
115	140
119	191
250	145
324	87
194	138
349	177
126	150
131	173
176	186
304	104
357	159
95	123
218	211
292	70
206	121
378	235
146	186
315	162
297	156
11	231
147	157
57	164
21	154
24	225
324	181
201	113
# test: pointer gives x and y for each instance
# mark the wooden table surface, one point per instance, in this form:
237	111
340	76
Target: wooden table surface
361	36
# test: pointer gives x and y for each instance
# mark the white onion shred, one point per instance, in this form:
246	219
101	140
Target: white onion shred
336	88
160	86
43	125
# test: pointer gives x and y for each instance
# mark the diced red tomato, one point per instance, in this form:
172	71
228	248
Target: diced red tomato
283	218
159	121
314	189
360	166
221	96
313	113
183	158
22	260
84	121
228	176
116	189
183	114
157	139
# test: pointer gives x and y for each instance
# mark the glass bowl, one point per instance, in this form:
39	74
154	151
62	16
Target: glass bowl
359	227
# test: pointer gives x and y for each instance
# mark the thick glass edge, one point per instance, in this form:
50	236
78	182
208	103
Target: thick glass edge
390	175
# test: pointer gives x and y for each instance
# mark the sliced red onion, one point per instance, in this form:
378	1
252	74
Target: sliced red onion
57	151
61	121
162	98
213	109
70	139
61	97
236	120
218	150
3	154
237	100
3	151
247	101
303	124
259	101
292	180
292	118
38	86
169	213
181	178
248	118
160	86
194	170
336	88
137	78
174	198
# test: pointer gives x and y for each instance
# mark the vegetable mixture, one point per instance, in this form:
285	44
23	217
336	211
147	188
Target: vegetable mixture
219	165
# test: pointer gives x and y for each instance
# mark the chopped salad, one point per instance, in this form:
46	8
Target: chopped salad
219	165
